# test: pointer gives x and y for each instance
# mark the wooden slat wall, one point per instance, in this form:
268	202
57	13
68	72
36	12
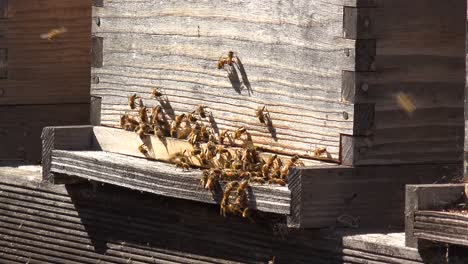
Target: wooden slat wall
76	224
42	83
420	52
293	54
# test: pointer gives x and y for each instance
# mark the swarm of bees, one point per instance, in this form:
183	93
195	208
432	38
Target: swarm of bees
224	162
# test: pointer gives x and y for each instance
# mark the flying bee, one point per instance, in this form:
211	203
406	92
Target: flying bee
319	151
277	181
261	115
143	149
156	93
53	33
132	101
239	132
201	111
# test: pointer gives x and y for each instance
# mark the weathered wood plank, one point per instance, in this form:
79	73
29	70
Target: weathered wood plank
65	137
157	177
416	58
322	197
3	66
130	226
445	227
188	75
21	127
427	197
125	142
38	69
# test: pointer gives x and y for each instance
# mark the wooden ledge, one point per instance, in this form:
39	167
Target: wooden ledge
317	196
426	218
158	178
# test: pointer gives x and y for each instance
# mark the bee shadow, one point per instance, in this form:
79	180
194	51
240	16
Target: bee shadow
271	128
245	79
166	105
234	79
213	123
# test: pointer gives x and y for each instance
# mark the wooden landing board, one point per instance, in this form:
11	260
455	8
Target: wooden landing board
158	178
78	224
425	218
124	142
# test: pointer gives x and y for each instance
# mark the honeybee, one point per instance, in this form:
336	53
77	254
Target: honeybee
53	33
142	129
156	93
230	58
191	118
203	158
179	119
245	175
295	161
183	165
155	112
212	179
204	133
131	101
242	187
128	123
277	181
319	151
221	63
237	165
238	133
230	174
201	111
247	213
222	135
204	177
143	149
211	146
143	115
173	130
196	150
261	115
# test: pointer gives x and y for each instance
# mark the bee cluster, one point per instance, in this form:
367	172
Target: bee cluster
224	160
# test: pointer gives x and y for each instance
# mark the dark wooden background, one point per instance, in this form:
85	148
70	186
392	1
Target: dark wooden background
47	82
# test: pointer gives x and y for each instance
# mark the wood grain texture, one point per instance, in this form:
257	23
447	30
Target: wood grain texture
21	127
320	197
291	62
42	71
427	197
423	57
158	178
76	224
442	227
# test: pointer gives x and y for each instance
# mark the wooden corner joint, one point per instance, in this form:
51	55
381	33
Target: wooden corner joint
63	138
358	22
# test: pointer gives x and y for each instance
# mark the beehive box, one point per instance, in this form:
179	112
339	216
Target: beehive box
375	83
334	74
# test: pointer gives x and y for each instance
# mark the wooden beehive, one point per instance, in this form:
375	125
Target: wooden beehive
331	73
374	82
